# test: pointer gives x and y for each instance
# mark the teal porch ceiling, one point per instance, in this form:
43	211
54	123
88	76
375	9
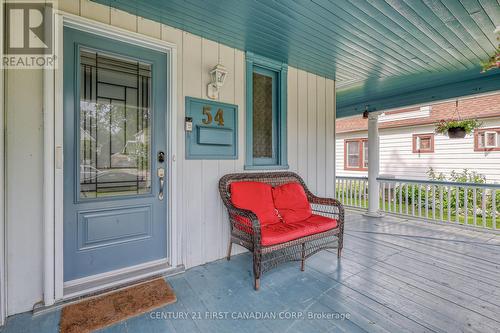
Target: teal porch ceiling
382	53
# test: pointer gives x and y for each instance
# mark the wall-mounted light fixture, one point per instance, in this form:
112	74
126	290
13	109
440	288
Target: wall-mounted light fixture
218	75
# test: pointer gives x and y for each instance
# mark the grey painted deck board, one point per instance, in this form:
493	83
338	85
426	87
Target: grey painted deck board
395	276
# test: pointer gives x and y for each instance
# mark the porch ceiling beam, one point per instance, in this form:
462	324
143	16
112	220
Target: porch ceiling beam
399	92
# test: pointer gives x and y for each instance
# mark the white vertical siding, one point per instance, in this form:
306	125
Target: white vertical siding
311	127
203	231
320	157
24	188
330	144
397	158
311	131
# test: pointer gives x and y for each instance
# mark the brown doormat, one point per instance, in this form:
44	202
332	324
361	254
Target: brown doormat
102	311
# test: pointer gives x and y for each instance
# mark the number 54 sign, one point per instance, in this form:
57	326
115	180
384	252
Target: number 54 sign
219	116
213	129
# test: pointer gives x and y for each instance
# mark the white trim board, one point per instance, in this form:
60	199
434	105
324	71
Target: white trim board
3	289
54	285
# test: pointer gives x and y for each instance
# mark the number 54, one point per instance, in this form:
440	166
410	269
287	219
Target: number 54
219	116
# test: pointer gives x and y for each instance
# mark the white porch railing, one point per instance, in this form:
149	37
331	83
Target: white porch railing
469	204
352	191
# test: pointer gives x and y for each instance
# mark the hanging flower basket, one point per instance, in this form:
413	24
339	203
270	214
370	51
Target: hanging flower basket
457	129
456	133
493	62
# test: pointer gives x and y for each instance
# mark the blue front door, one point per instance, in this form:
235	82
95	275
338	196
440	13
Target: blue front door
115	212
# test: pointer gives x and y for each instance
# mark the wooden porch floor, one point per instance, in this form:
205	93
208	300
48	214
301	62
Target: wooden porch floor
395	275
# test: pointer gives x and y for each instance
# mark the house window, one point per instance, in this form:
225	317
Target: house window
356	154
266	113
487	139
423	143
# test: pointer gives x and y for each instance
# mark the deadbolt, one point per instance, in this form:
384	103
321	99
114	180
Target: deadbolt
161	157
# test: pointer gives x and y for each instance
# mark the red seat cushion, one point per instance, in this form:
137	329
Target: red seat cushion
291	202
256	197
277	233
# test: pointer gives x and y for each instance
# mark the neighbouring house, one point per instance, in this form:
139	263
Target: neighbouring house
409	146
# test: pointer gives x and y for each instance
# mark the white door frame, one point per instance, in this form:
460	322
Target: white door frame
53	147
3	289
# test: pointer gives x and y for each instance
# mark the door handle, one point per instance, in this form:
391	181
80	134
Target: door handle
161	175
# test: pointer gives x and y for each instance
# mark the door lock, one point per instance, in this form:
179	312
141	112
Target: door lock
161	157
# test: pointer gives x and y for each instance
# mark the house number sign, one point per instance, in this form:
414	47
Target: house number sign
211	129
219	116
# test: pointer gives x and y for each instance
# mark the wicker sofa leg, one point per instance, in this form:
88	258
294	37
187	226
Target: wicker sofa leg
303	257
340	243
229	248
257	262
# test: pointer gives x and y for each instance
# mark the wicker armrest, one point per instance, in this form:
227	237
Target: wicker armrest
245	214
314	200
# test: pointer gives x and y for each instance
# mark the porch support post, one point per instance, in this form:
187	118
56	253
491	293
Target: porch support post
373	165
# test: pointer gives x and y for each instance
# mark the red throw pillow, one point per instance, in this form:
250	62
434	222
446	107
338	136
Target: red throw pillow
257	197
291	202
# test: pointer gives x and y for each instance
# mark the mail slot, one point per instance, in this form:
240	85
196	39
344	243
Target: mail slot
215	136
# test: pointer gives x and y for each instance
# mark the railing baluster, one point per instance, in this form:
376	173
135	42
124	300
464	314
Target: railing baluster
348	192
344	192
351	191
466	207
383	196
433	202
355	193
364	194
392	194
419	200
474	207
393	198
361	184
339	190
494	209
389	197
406	198
483	210
426	201
449	203
457	203
413	200
351	199
401	198
341	193
441	202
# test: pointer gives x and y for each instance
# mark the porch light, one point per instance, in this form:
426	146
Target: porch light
218	75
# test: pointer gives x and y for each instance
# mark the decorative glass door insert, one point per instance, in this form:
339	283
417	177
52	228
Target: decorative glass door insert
115	123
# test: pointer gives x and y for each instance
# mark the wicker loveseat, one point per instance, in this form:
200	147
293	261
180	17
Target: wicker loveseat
275	242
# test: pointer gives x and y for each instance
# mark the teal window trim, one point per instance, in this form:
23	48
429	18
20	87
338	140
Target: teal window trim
281	69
